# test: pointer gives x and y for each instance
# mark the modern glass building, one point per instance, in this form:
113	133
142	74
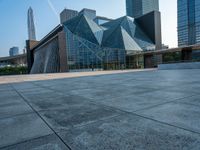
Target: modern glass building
137	8
82	44
14	51
188	22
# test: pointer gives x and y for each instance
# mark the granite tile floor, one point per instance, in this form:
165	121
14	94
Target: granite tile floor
115	110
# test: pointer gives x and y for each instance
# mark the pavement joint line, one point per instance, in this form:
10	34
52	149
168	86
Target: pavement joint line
161	122
41	118
145	117
160	104
188	103
25	141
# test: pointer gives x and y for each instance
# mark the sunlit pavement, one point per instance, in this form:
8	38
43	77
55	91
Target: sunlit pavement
119	110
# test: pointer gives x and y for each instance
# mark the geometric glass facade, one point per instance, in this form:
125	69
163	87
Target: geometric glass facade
83	55
91	46
82	44
137	8
188	22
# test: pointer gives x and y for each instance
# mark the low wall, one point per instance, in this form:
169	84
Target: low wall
189	65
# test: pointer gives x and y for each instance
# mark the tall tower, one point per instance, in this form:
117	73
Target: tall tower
188	22
137	8
31	25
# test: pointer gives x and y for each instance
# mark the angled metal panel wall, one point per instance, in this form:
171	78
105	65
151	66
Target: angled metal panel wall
46	58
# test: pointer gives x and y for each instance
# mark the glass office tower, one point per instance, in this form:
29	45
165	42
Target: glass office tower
137	8
14	51
188	22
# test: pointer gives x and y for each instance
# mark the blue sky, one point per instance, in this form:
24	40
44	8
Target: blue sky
13	16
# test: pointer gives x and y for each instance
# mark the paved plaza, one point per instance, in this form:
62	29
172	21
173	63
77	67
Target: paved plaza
114	110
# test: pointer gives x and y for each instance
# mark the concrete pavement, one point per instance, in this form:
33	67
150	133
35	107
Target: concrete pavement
121	110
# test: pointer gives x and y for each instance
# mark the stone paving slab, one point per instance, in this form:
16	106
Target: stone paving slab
5	87
21	128
14	108
77	115
9	98
10	94
178	114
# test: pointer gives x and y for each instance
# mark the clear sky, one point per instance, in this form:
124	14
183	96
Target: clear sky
13	18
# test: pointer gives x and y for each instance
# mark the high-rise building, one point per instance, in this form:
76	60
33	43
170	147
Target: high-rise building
14	51
137	8
188	22
67	14
31	25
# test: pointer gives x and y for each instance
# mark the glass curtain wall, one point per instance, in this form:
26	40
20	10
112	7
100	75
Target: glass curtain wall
83	55
188	22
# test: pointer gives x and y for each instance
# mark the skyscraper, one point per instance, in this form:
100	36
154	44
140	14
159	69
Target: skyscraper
31	25
137	8
14	51
188	22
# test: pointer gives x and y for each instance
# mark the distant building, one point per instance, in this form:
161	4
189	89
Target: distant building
165	46
14	51
89	13
67	14
24	51
137	8
101	20
31	25
18	60
188	22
